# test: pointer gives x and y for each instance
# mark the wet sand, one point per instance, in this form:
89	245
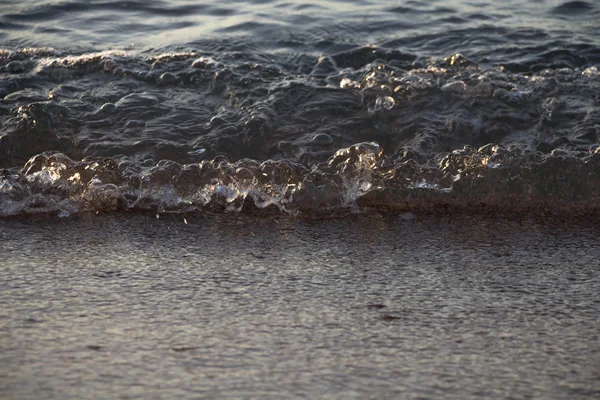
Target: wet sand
368	306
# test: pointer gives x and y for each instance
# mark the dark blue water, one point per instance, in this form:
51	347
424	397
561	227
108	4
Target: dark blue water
320	105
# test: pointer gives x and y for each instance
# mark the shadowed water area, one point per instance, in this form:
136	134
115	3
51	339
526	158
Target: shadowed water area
321	105
371	306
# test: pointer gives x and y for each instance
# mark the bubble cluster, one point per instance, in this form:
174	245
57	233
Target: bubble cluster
227	130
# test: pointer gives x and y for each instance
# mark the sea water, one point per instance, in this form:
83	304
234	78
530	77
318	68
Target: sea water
318	199
175	106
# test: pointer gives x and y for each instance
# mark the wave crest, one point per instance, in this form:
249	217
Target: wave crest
354	177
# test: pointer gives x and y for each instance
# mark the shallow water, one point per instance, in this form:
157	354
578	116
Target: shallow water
377	306
179	157
318	105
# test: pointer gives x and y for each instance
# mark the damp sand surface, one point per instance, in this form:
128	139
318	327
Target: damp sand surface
232	306
174	106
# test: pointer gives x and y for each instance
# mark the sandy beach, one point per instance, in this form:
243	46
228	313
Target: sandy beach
368	306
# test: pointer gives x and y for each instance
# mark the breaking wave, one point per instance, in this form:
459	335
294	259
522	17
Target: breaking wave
367	127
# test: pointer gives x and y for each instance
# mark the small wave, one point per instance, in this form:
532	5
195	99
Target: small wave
366	125
490	178
573	7
53	183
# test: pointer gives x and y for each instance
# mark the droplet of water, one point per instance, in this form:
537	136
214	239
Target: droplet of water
203	62
167	78
108	108
385	103
198	152
15	67
135	123
347	83
591	72
322	139
454	87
